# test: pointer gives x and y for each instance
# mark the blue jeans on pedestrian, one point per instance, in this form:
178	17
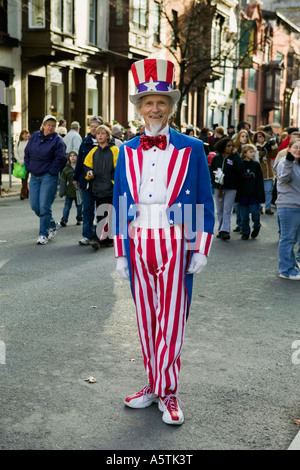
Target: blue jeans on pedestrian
67	208
88	214
268	185
42	191
245	211
289	219
237	214
297	242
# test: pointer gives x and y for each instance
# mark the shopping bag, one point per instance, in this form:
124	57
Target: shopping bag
62	187
19	171
78	196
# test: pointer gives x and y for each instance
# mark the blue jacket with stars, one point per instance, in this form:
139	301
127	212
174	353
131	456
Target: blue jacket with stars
189	195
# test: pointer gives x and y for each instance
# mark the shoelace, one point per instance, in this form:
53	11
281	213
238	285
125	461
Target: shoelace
171	401
147	389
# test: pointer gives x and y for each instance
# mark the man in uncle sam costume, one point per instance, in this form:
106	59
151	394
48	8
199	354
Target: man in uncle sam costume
163	229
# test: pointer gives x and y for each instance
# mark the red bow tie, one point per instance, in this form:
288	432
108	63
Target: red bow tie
159	141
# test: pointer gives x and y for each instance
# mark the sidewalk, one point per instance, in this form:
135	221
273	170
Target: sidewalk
7	189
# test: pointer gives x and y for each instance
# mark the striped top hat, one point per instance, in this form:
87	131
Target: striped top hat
153	76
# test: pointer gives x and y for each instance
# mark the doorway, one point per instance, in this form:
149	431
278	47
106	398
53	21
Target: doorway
36	102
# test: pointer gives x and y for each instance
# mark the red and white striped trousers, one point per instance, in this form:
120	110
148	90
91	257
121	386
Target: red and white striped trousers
159	262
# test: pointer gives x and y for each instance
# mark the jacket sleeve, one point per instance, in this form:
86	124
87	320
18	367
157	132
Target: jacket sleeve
239	164
119	208
115	152
27	154
260	185
285	170
205	207
79	163
88	163
63	184
59	160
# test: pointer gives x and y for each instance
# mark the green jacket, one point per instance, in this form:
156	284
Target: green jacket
66	182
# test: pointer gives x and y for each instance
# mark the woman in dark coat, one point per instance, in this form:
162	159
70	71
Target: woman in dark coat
226	169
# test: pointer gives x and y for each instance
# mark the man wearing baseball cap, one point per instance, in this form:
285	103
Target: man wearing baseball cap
163	230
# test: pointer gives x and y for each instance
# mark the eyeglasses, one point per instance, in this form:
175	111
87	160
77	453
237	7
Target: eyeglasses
295	148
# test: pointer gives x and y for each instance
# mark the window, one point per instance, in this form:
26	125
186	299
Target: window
252	121
156	22
280	58
63	15
277	115
3	16
92	88
36	14
68	16
57	14
252	79
93	22
216	37
269	86
119	12
57	92
267	52
139	14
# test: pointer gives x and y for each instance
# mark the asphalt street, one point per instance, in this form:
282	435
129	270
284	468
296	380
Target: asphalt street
65	315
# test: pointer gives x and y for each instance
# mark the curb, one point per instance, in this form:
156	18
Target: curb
6	189
11	193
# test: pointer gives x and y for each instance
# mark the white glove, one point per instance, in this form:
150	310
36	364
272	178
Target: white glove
197	264
122	267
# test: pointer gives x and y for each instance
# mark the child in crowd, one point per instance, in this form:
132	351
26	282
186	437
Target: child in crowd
99	168
250	193
68	189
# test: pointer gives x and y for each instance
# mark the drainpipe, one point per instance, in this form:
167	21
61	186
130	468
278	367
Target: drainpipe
236	66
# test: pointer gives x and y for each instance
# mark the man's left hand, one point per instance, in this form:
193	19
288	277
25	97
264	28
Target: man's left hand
197	264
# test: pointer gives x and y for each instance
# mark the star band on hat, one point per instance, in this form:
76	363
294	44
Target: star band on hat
153	76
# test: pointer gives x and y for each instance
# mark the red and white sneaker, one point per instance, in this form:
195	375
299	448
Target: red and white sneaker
141	399
172	413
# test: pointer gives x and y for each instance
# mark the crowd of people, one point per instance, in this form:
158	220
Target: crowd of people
142	181
247	168
250	172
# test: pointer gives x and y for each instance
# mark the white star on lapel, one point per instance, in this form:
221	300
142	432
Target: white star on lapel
151	85
125	194
171	222
179	204
188	191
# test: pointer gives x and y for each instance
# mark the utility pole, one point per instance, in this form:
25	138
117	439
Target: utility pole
236	65
9	135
